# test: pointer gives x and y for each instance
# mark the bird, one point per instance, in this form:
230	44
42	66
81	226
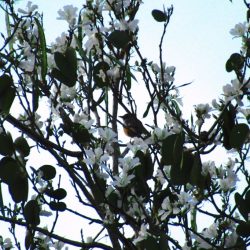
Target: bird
132	126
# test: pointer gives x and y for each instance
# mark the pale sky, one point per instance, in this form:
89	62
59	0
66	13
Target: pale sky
197	43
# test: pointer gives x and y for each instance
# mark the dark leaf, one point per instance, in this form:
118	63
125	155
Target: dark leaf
235	62
119	38
149	244
19	188
80	133
7	93
172	148
57	194
228	119
163	243
67	66
49	172
9	169
180	173
248	15
238	135
243	229
242	205
57	206
31	213
159	15
146	168
22	146
6	144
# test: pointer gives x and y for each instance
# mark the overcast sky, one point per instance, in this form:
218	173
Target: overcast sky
197	42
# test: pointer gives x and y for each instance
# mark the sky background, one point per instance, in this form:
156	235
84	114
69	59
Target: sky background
197	43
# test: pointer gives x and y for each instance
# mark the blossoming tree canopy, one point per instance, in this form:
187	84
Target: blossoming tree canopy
64	157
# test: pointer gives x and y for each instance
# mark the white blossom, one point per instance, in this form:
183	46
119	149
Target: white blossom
160	133
67	93
162	174
117	4
92	41
232	90
95	156
186	201
69	13
208	167
29	8
89	239
6	243
125	25
28	65
231	240
167	208
138	144
123	180
142	235
84	120
228	177
107	134
166	72
129	163
202	110
114	73
239	30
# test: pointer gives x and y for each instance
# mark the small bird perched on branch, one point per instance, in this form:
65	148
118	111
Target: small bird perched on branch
133	127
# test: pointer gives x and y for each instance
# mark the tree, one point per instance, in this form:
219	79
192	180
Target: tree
69	98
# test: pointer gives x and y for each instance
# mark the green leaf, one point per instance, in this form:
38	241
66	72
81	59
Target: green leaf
147	109
42	45
238	135
171	150
128	77
7	93
159	15
70	56
35	96
119	38
49	172
22	146
6	144
57	206
243	229
31	213
235	62
180	173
